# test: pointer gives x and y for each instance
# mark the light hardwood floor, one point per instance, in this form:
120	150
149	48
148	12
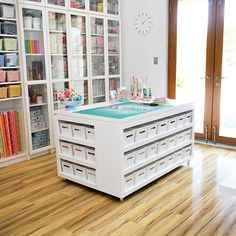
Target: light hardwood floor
34	201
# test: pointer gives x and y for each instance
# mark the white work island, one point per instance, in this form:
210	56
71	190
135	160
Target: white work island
119	148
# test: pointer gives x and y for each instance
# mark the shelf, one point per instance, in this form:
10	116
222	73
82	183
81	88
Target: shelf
78	54
36	82
57	31
9	67
10	99
78	161
113	35
113	54
34	30
38	130
37	104
8	19
9	35
9	51
151	179
157	157
77	141
8	83
60	80
99	96
98	55
157	137
97	35
58	55
34	54
5	161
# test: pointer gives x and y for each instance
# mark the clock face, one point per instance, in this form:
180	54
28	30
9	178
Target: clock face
143	23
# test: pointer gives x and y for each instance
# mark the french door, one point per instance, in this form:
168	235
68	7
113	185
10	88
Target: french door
202	64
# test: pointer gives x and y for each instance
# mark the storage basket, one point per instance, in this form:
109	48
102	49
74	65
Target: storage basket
8	27
11	60
7	11
2	76
14	90
13	76
2	61
3	92
10	44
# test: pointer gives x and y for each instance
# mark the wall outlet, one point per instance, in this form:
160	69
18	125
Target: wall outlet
155	60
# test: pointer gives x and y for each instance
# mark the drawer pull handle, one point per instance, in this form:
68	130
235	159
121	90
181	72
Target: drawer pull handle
172	122
181	118
141	132
130	135
163	144
141	153
79	170
66	166
64	127
91	153
163	125
152	168
153	128
162	163
153	148
141	174
78	150
65	147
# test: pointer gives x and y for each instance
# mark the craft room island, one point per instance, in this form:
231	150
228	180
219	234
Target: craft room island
119	148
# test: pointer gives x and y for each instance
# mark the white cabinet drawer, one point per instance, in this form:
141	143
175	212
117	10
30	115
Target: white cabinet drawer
162	126
152	150
187	135
80	172
66	148
129	181
91	175
89	133
129	159
180	138
141	134
171	142
187	152
140	155
151	170
78	131
188	118
65	129
172	123
171	160
180	120
140	176
179	156
67	167
152	130
129	137
79	151
90	155
161	146
161	165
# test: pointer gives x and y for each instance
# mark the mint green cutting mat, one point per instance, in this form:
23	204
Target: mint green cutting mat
121	111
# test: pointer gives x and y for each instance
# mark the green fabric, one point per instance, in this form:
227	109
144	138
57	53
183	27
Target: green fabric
121	111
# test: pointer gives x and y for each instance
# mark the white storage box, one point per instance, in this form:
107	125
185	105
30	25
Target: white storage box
129	181
7	11
91	175
171	160
172	123
162	126
140	155
38	125
171	142
187	135
65	129
129	137
187	152
141	134
162	146
152	150
161	165
66	149
180	120
140	176
180	138
89	133
78	131
129	159
188	118
152	130
179	156
67	167
151	170
90	155
79	152
79	172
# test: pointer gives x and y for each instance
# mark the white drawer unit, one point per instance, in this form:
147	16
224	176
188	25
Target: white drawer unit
118	156
66	149
67	168
78	131
79	152
140	134
65	129
140	155
80	172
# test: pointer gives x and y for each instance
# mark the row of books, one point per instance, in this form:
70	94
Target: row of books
32	46
58	43
11	141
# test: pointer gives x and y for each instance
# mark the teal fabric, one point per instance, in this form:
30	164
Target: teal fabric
121	111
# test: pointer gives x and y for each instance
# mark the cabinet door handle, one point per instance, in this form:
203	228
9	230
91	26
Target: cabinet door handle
206	77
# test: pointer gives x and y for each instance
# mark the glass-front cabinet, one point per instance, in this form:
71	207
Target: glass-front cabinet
96	5
36	77
56	3
78	4
113	7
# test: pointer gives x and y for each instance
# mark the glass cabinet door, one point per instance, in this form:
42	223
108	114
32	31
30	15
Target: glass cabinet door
57	2
113	7
97	46
77	4
96	5
82	87
99	90
57	88
113	47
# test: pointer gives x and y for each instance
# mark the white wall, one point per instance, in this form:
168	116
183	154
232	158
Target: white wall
138	51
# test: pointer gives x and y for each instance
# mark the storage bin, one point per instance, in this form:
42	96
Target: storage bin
172	123
129	160
180	138
2	76
41	139
1	42
162	126
171	142
67	167
36	119
66	148
11	60
129	137
35	111
179	156
2	60
161	165
91	175
140	176
65	129
89	133
79	152
180	120
7	11
152	150
187	135
188	118
38	125
129	182
14	91
79	172
187	152
141	134
90	155
10	44
13	76
8	27
3	92
78	131
152	130
140	155
162	146
151	170
39	145
171	160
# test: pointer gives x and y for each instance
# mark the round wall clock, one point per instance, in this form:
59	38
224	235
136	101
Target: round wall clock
143	23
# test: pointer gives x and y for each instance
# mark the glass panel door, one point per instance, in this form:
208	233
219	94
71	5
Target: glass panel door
77	4
99	90
113	7
57	2
96	5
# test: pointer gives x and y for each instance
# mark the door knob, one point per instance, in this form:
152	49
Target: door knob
206	77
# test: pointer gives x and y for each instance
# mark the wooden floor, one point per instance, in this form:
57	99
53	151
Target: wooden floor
34	201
